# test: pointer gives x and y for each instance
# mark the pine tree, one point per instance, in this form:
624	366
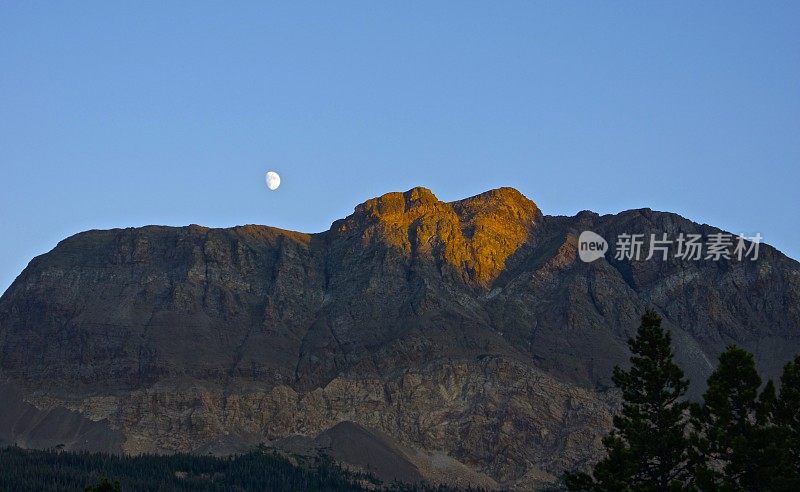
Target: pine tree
786	417
105	485
735	436
648	449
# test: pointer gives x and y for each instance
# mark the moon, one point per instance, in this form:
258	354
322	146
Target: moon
273	180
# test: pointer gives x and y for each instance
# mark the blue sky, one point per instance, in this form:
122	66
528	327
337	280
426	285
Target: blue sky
116	114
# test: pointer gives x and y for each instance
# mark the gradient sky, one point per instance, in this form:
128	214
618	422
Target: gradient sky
116	114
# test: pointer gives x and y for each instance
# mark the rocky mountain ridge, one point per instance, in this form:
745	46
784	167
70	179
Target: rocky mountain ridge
468	332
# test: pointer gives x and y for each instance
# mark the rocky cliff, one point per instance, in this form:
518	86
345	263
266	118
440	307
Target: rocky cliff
467	333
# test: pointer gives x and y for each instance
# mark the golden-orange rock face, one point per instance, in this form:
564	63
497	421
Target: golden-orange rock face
475	236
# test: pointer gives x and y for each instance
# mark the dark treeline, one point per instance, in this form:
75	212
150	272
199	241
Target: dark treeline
33	470
743	436
36	470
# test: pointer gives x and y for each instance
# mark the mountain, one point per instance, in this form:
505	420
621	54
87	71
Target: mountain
465	338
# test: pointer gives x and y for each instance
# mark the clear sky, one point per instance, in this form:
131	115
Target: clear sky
116	114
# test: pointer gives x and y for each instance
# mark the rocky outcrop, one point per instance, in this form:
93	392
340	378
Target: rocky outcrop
469	332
